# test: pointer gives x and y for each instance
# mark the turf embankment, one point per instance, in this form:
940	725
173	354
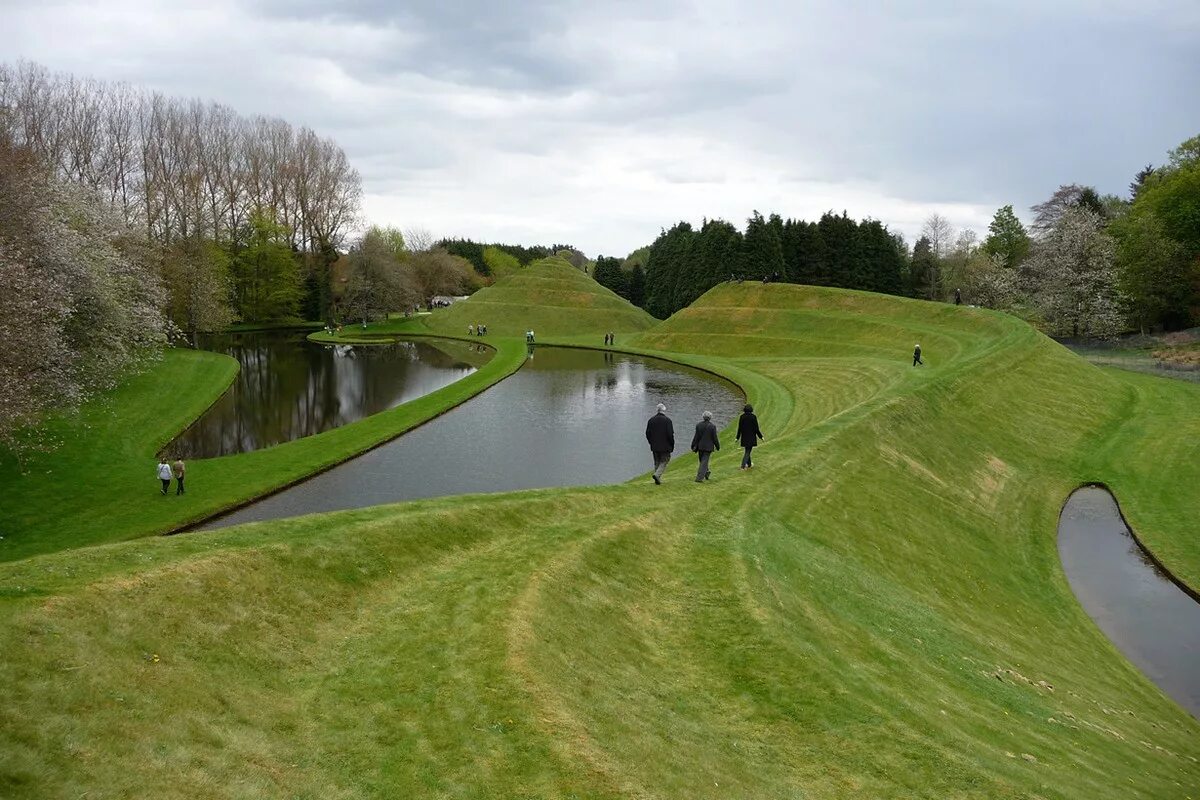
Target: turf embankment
550	297
98	485
876	610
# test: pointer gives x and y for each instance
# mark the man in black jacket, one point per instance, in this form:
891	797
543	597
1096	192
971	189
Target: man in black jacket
660	433
703	444
748	433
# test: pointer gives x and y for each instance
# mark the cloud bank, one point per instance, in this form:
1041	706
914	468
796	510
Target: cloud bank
600	123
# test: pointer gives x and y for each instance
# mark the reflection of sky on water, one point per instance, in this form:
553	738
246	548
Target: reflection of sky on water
1147	616
288	388
567	418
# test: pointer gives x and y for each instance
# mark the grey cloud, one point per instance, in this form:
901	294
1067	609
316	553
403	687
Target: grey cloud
926	104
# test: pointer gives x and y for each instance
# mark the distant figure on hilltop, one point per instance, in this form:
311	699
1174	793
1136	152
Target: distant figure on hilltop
958	297
660	433
917	356
704	442
748	434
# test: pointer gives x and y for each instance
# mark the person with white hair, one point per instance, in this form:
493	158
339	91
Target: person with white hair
917	356
703	444
660	433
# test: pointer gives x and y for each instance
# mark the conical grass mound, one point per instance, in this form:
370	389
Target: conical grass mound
550	297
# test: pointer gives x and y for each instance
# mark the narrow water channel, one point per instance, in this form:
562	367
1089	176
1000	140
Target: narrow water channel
1150	619
288	387
566	418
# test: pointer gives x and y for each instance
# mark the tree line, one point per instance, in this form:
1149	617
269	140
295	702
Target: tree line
1089	265
684	262
497	260
247	212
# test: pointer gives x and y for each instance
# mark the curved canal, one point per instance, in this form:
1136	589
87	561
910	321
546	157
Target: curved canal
567	418
288	387
1150	619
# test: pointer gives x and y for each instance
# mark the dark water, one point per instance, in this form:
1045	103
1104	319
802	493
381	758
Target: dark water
567	418
1153	622
289	387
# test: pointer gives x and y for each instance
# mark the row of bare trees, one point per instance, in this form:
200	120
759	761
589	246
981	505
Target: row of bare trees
181	168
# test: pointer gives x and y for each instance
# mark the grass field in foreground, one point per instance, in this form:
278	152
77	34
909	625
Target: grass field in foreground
876	610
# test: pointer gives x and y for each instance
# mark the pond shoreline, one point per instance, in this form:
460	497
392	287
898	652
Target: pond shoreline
1145	611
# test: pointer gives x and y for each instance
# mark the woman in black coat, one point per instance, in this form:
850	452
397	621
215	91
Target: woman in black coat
748	433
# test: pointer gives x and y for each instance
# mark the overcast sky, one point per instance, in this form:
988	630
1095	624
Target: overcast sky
599	123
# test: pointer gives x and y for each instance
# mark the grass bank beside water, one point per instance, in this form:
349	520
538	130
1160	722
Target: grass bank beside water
98	485
876	610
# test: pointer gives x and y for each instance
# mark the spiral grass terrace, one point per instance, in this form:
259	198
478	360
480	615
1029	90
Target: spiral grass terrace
876	610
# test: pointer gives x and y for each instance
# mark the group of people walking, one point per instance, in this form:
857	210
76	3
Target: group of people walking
660	434
610	339
167	471
477	330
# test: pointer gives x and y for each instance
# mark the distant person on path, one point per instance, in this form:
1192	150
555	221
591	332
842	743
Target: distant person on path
179	470
748	434
164	474
958	297
470	330
704	442
917	356
660	433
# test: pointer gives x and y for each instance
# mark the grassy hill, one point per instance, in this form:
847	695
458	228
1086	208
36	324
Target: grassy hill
549	296
876	610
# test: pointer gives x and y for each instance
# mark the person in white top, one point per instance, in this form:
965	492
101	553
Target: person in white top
164	474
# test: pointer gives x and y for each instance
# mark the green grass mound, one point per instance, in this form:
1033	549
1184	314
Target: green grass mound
549	296
877	609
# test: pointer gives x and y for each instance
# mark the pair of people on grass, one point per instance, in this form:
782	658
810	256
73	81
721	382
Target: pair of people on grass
660	434
167	471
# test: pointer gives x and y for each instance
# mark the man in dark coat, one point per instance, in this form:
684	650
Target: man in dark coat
660	433
917	356
748	433
703	444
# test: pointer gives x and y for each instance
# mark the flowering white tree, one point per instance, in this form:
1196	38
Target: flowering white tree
1073	276
80	301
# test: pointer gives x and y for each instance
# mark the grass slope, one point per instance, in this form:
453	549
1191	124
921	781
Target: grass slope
876	610
99	485
549	296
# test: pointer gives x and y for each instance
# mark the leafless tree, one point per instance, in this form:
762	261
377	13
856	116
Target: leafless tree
940	233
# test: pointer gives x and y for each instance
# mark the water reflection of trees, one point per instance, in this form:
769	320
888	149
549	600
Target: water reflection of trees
287	389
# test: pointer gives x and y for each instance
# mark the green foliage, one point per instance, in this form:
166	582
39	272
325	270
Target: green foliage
1158	250
684	263
266	278
474	252
609	274
922	270
1154	272
1007	238
762	253
387	237
499	264
379	281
